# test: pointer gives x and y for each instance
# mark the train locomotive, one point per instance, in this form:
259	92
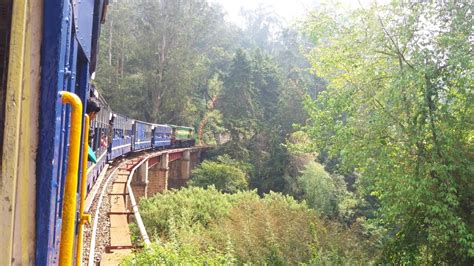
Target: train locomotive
48	53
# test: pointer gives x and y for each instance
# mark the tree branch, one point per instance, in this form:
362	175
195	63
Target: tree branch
397	49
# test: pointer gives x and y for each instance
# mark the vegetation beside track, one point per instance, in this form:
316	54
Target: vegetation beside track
205	226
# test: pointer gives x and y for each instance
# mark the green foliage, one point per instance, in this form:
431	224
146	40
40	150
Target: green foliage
225	175
319	189
206	225
181	63
399	111
237	102
155	58
177	254
327	193
193	208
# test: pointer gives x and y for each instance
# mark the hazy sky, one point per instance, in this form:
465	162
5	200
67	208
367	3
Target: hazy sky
288	9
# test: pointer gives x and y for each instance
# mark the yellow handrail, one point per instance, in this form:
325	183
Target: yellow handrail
69	200
84	218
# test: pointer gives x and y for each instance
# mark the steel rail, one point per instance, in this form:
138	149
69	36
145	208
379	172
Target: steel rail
96	217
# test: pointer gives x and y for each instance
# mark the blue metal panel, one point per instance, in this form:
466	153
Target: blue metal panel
142	135
83	20
121	142
59	57
161	136
56	29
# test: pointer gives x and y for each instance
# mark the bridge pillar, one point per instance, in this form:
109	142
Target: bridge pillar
185	167
140	181
195	159
158	176
180	171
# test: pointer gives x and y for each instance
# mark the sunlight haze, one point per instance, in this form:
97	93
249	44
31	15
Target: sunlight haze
288	10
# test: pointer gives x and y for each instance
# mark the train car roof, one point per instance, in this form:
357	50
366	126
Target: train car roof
143	122
123	116
181	127
162	125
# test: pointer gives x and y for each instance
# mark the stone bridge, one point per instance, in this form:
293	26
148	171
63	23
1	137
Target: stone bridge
165	170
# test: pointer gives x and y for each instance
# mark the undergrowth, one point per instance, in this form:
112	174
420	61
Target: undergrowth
205	226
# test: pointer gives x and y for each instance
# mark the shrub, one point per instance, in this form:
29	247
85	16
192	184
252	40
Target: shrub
225	174
244	227
274	230
191	207
319	190
173	254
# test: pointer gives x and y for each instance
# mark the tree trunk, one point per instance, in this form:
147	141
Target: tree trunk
122	59
202	124
110	39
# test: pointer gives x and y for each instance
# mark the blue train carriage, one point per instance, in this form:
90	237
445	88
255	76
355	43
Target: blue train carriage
161	136
122	133
99	140
182	136
69	33
142	135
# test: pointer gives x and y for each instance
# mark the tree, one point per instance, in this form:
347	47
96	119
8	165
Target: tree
326	193
238	104
319	189
224	174
398	110
166	48
211	114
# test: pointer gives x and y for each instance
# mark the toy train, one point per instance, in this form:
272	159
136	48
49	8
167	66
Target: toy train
48	53
114	135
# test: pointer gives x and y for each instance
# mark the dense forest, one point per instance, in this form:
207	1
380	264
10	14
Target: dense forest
346	137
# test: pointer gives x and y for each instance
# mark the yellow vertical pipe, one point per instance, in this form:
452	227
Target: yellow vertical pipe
11	143
84	218
69	199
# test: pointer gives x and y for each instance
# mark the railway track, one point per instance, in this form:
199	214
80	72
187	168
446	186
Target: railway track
97	235
111	203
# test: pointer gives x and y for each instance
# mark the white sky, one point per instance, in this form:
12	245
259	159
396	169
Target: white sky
289	10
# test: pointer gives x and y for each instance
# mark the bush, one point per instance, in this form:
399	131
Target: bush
327	193
173	254
192	207
272	230
225	174
319	190
275	229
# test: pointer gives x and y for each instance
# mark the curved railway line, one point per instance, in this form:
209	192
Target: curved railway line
100	203
111	202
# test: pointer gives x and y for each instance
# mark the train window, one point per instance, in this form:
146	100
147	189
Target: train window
5	21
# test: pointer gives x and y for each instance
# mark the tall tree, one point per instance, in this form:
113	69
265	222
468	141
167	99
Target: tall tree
238	102
164	48
399	110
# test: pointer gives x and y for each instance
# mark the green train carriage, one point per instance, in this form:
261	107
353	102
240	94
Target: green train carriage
182	136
